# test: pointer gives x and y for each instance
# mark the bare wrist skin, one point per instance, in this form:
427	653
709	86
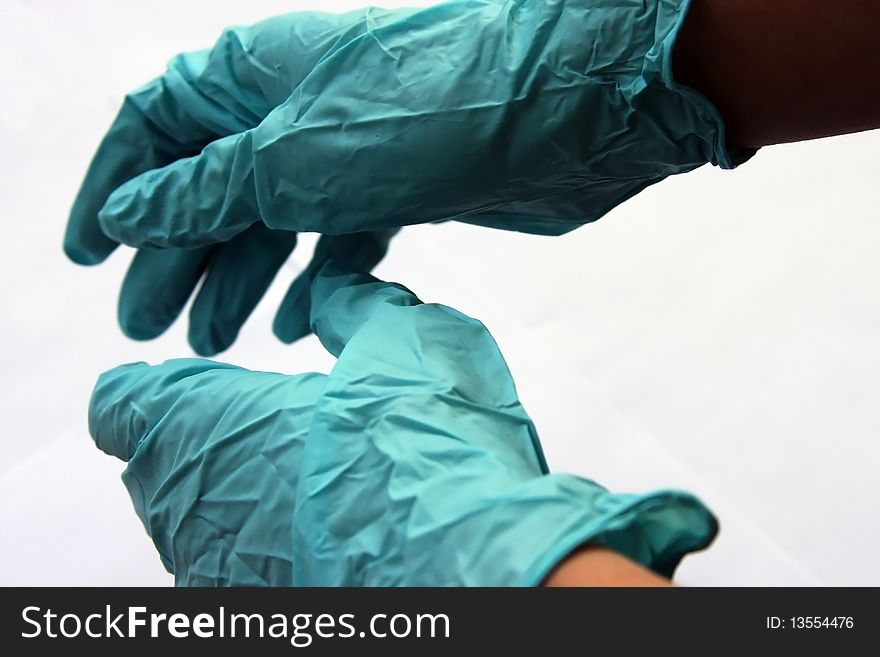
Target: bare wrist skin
784	70
594	565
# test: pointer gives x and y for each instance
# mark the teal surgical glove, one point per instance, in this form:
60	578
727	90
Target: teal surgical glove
528	115
411	463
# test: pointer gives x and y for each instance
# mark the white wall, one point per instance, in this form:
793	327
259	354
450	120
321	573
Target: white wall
717	333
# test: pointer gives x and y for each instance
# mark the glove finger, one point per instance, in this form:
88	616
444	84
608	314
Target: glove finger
202	96
130	400
238	275
189	203
362	251
344	300
385	336
213	457
156	288
133	145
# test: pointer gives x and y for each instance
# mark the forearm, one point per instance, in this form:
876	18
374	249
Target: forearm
784	70
594	565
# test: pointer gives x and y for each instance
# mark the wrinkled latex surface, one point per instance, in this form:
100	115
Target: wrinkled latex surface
533	115
412	463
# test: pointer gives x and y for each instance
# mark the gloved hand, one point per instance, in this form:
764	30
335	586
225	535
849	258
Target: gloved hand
533	116
174	117
412	463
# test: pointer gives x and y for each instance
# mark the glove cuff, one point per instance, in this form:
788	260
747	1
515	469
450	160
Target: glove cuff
525	533
656	530
671	15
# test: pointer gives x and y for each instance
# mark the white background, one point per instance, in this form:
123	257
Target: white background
717	333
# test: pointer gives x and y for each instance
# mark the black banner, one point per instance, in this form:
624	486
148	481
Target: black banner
401	621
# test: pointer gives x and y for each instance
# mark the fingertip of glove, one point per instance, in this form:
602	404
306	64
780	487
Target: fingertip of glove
210	330
81	256
87	249
110	217
208	342
129	400
290	328
124	215
115	422
136	326
292	321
